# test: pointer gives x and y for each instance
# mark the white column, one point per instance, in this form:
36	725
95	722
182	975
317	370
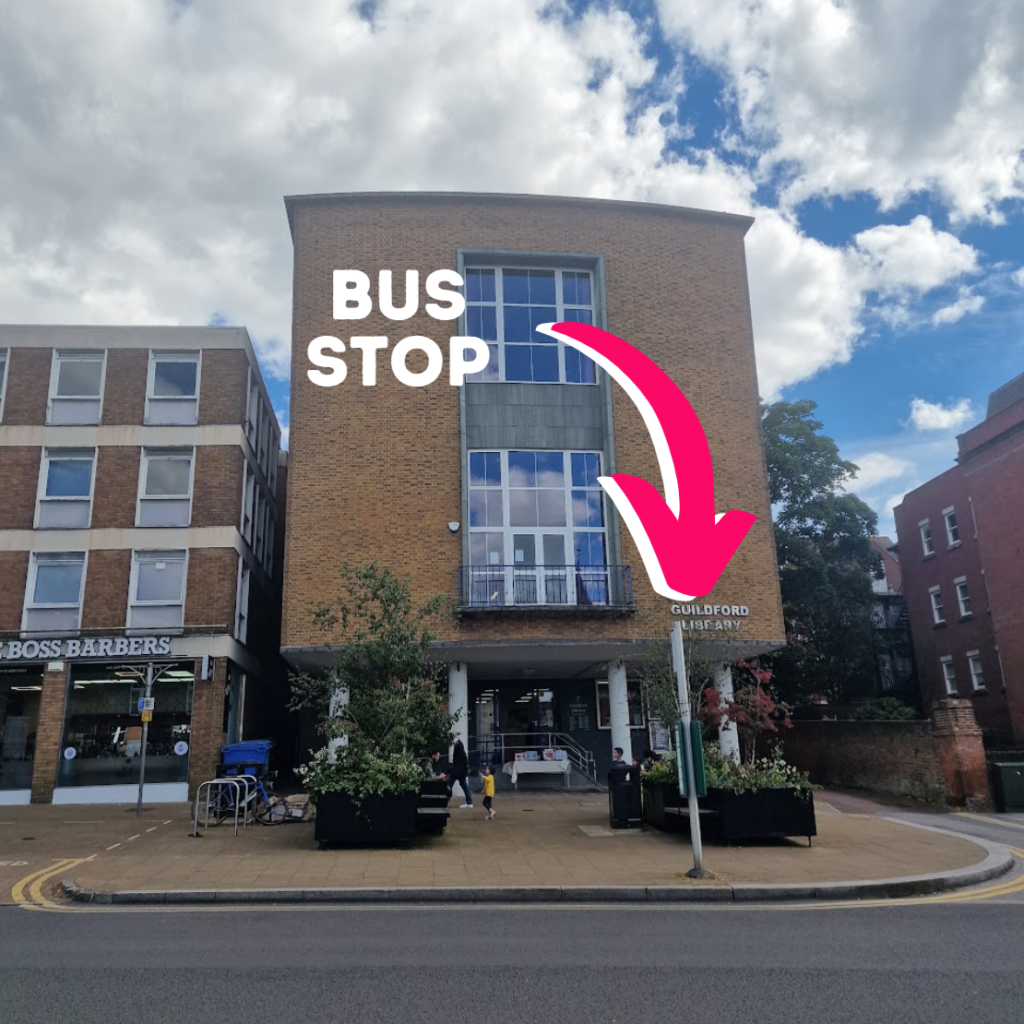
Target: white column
728	739
339	700
618	701
458	702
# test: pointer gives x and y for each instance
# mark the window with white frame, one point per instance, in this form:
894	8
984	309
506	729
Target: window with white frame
935	593
962	596
948	675
926	538
53	598
165	487
977	674
604	708
65	488
248	503
3	379
157	590
537	520
76	387
952	530
172	397
504	307
242	603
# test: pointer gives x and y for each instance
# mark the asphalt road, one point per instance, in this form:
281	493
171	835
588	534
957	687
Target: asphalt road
910	964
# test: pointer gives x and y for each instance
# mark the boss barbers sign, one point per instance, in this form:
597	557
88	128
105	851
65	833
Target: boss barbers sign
91	647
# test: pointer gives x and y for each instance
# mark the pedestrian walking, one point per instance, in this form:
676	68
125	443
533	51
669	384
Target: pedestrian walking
460	771
489	792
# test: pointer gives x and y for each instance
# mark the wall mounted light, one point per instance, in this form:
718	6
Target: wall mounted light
454	527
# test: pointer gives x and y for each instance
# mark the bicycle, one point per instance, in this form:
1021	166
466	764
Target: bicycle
258	799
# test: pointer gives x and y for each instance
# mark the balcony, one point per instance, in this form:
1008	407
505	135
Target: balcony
571	588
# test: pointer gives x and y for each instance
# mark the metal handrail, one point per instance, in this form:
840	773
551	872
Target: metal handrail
545	586
581	759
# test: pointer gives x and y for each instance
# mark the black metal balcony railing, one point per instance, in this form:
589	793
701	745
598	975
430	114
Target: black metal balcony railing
546	586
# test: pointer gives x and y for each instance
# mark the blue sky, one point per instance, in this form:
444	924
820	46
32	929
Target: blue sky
877	145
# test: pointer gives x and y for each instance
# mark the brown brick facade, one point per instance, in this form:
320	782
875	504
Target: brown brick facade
207	724
13	577
217	490
124	399
105	607
211	589
49	734
222	390
115	492
19	472
28	386
375	472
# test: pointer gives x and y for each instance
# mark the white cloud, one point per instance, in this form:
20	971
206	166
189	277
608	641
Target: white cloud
885	98
876	468
967	302
1018	277
935	416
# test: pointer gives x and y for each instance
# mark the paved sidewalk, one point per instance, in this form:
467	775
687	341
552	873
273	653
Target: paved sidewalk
544	838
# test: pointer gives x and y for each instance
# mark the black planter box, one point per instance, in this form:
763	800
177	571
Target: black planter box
657	796
432	811
763	814
375	819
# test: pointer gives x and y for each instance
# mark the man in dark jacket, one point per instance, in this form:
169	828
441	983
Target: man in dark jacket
460	771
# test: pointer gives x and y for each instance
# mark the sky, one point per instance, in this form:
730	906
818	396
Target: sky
147	146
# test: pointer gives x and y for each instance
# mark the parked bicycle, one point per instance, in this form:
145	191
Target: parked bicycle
259	801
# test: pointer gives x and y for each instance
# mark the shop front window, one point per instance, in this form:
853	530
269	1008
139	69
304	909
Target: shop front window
102	742
20	694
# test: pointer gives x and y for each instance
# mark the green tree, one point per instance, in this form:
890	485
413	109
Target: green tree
392	715
822	534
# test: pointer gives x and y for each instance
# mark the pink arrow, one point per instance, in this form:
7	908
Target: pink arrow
684	547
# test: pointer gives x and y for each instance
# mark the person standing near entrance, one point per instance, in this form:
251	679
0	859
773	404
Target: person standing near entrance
460	771
617	758
489	792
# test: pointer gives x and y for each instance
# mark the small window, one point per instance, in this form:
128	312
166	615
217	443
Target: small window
604	708
952	530
242	605
963	597
926	538
54	594
977	675
173	394
157	590
252	409
937	613
76	388
948	675
3	379
248	498
165	487
65	489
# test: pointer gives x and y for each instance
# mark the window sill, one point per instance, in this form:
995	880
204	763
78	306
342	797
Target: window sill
967	617
924	558
978	690
955	544
939	625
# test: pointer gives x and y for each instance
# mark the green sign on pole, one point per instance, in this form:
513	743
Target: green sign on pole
697	748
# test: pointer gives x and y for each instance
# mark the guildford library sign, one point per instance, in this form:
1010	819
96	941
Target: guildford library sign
91	647
714	617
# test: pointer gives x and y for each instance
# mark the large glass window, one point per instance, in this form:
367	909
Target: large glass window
65	491
20	694
54	593
102	741
157	590
634	695
537	528
173	393
76	387
504	307
165	497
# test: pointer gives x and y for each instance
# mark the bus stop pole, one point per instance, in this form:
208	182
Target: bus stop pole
686	751
145	739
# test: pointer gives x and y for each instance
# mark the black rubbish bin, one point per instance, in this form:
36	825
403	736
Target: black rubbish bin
624	808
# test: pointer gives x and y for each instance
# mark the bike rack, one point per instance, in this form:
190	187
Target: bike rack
241	801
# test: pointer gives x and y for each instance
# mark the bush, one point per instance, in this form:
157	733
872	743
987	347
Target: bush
884	709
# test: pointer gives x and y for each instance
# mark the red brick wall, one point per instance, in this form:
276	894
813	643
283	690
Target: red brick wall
19	477
115	494
676	287
13	577
49	733
124	398
28	386
223	389
106	590
211	588
207	725
217	493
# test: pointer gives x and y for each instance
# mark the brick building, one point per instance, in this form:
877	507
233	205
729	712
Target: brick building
896	675
488	492
139	525
960	544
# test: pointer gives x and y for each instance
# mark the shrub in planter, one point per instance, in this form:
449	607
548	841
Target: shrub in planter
379	708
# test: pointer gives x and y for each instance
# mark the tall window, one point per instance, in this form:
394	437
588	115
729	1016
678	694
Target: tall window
504	308
952	530
948	675
173	393
604	708
977	675
3	379
65	488
76	387
165	487
54	593
926	538
242	603
937	613
962	596
537	519
157	590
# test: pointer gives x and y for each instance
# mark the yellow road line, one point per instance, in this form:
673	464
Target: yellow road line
993	821
33	898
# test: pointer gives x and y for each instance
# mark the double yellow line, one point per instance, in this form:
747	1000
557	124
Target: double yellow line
27	892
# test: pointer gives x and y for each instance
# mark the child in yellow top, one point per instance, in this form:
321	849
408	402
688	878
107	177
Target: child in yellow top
488	792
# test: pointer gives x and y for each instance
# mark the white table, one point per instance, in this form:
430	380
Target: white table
517	768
